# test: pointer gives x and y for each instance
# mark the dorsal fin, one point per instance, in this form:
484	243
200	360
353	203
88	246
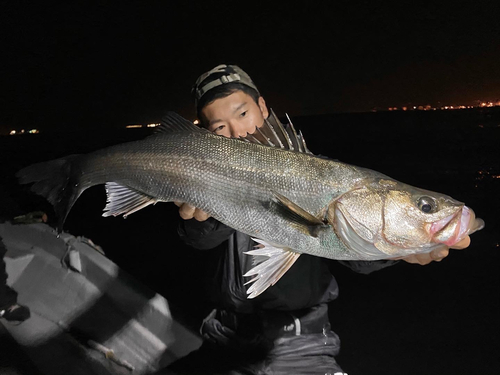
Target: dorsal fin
274	134
280	129
297	138
172	122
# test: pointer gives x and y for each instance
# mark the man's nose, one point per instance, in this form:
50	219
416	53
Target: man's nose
237	130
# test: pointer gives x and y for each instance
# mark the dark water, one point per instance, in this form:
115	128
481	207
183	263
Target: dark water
407	319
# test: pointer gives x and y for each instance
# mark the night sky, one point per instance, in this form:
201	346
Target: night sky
69	64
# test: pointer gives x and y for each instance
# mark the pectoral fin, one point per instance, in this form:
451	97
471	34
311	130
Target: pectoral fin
123	200
302	219
268	272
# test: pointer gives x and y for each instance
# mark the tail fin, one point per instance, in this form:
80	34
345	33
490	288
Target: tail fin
53	180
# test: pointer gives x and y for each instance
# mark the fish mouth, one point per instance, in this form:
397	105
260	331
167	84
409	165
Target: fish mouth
456	227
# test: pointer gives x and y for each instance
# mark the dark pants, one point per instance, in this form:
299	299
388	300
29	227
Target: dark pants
310	352
304	354
8	296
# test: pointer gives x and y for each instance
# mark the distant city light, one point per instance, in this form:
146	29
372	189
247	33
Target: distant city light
32	131
196	122
153	125
133	126
485	174
428	107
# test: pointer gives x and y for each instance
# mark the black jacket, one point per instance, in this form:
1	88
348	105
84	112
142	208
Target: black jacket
307	283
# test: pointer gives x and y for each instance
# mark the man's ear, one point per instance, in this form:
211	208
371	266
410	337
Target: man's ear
263	107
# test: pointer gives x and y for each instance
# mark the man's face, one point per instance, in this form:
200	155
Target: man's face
235	115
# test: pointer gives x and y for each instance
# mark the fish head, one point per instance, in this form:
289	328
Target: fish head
386	218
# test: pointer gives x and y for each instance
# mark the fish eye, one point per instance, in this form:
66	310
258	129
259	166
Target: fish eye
427	205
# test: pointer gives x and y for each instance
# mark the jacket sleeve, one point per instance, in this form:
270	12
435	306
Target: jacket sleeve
366	266
203	235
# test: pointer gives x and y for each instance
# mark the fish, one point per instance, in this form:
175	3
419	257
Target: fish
267	185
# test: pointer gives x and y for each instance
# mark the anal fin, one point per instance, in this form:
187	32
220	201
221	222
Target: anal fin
268	272
123	200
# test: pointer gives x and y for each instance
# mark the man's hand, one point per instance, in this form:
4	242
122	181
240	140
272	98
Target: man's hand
436	255
186	211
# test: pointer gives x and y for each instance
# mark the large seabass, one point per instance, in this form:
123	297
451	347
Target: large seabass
289	200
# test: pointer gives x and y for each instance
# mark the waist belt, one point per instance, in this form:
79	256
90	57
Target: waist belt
274	324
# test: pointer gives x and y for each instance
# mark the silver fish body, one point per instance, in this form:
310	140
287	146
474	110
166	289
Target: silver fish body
287	199
231	180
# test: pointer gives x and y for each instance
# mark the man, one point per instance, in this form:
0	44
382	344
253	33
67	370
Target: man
286	329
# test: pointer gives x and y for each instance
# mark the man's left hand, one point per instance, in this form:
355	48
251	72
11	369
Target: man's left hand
436	255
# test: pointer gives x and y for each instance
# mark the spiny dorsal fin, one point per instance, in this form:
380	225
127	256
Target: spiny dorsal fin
123	200
280	129
302	219
172	122
297	139
268	272
273	133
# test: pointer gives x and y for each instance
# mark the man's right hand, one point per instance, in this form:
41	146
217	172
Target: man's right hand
187	211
